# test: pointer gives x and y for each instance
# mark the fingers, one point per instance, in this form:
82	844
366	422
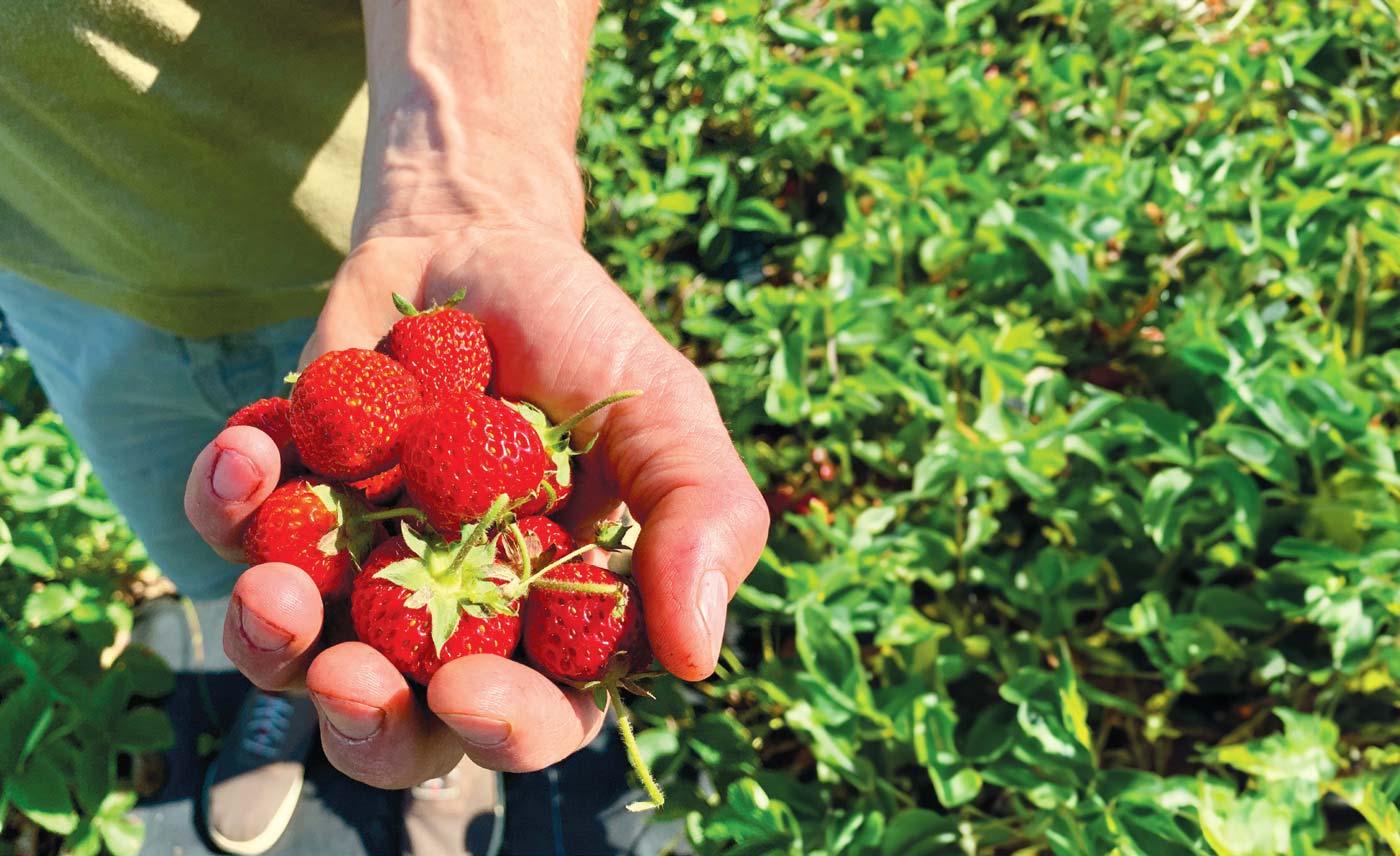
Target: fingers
568	336
229	480
372	727
272	625
704	522
510	717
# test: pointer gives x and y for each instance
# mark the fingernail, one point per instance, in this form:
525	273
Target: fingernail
712	601
235	477
480	731
349	719
259	634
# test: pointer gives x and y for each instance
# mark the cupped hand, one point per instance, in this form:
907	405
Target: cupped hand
563	335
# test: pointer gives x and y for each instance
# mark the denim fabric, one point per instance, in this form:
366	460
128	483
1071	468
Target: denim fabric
142	403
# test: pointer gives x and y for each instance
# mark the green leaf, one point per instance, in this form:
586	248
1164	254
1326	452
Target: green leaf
920	832
143	729
49	604
39	791
953	781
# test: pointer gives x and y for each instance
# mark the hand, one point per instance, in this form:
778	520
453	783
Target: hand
564	335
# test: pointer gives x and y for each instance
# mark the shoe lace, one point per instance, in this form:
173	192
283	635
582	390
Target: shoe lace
268	724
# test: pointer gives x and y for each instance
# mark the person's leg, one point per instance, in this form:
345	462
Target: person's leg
141	403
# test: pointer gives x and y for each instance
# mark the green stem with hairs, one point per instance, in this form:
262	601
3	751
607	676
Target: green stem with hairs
496	510
392	513
558	431
581	588
629	742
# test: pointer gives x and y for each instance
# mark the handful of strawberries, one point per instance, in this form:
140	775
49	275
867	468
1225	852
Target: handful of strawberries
469	562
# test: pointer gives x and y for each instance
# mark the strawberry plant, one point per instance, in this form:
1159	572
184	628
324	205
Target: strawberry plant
75	712
1062	338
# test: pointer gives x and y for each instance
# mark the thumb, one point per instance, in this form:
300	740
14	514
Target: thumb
704	522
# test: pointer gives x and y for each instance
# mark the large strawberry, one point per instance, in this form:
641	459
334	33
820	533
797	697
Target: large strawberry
583	627
463	453
444	348
424	603
272	417
554	489
349	412
307	523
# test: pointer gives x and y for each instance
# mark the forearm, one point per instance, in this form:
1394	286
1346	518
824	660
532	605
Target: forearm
474	108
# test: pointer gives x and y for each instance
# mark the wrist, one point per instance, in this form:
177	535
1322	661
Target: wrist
473	116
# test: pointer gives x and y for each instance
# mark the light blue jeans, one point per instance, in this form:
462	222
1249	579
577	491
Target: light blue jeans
142	403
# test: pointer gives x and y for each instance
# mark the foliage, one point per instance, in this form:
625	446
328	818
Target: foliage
1063	339
70	721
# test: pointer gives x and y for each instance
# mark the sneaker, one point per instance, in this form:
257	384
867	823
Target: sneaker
460	813
254	784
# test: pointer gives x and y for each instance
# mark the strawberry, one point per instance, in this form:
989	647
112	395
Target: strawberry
583	627
349	411
422	604
444	348
307	523
553	490
584	623
544	542
271	416
464	452
382	489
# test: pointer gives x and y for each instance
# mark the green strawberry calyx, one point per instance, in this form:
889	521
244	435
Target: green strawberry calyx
557	445
352	532
455	580
408	310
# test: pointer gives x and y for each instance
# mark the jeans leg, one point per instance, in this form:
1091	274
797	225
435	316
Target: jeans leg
142	403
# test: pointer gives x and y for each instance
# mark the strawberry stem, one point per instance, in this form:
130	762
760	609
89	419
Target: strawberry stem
406	309
392	513
555	433
629	742
580	588
565	559
496	510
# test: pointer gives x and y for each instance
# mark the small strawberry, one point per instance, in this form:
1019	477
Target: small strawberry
584	623
422	604
271	416
382	489
541	539
349	412
444	348
583	627
307	523
463	453
554	489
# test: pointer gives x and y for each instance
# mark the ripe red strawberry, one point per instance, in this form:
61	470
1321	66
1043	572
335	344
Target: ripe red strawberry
349	411
544	539
381	489
584	623
583	626
444	348
554	489
307	523
271	416
463	453
423	604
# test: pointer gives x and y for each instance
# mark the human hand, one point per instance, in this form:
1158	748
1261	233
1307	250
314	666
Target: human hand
563	335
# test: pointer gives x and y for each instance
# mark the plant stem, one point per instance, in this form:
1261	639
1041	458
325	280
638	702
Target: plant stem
572	422
629	742
581	588
523	547
392	513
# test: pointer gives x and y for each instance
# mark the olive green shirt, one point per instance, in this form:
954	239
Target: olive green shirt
190	163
